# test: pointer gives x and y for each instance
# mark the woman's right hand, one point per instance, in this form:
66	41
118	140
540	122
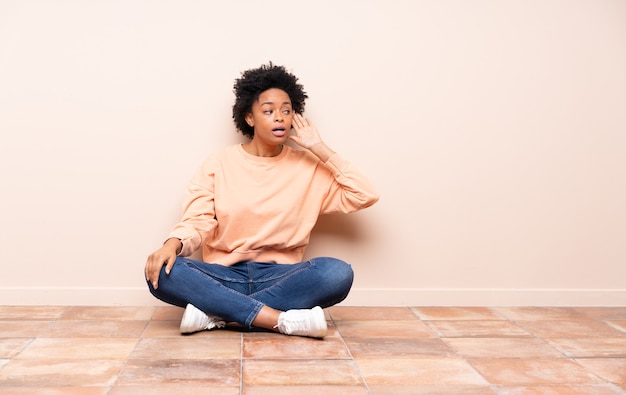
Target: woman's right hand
166	255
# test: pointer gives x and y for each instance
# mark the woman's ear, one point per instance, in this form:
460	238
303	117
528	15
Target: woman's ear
250	119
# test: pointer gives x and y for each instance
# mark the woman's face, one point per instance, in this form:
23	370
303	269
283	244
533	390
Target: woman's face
271	117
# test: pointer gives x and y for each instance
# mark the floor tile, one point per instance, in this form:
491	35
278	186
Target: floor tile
611	369
307	390
385	347
55	390
418	371
32	313
162	329
591	347
480	348
104	313
620	325
476	328
380	329
357	313
605	389
188	347
430	390
456	313
11	347
23	328
175	390
604	313
525	313
168	313
281	347
534	372
180	373
79	348
300	372
72	328
59	372
570	329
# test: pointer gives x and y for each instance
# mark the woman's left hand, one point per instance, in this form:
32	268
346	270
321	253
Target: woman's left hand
306	133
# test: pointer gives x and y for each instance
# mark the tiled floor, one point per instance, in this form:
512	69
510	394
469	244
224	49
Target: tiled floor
391	350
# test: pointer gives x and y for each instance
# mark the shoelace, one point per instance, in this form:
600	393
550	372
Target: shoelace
290	326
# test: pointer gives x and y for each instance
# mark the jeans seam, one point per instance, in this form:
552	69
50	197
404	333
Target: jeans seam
257	308
305	265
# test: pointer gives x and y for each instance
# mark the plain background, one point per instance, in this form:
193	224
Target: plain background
495	132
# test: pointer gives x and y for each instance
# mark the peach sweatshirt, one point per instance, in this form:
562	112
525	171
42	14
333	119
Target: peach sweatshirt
241	207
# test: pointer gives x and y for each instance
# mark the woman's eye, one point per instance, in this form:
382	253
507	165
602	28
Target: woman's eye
286	112
267	112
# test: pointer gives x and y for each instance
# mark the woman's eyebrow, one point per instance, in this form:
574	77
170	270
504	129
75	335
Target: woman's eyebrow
271	102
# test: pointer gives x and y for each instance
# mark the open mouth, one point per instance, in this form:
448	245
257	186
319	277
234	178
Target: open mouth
278	132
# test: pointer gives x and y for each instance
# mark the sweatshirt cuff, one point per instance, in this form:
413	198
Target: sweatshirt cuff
337	163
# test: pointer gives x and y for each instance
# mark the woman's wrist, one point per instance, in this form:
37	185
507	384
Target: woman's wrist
175	243
322	151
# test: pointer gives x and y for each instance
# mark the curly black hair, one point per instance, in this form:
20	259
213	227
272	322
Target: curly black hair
253	82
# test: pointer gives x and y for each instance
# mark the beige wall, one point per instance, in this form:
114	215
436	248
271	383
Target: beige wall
495	131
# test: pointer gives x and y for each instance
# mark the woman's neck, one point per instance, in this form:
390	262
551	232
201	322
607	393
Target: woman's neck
256	149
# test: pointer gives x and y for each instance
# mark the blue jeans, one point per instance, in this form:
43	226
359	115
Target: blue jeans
237	293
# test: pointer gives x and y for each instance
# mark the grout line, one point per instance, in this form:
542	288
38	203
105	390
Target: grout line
67	310
125	361
358	368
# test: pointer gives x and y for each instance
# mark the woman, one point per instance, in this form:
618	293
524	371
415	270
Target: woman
251	208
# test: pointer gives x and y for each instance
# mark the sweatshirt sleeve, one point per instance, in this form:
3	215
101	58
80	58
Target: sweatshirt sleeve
350	190
198	220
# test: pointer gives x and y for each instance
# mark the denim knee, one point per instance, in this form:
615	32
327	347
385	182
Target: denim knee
161	292
336	272
337	268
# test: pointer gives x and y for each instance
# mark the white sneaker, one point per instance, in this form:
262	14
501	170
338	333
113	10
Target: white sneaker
311	323
195	320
